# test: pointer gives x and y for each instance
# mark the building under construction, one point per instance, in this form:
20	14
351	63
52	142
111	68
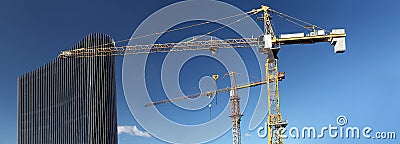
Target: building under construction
70	101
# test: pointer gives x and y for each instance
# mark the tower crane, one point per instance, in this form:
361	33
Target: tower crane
269	43
234	101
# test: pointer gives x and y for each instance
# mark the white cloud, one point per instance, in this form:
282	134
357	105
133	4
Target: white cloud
247	134
132	130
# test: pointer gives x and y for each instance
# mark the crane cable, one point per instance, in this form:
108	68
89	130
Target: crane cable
173	30
208	33
249	76
222	27
293	22
181	28
280	14
245	75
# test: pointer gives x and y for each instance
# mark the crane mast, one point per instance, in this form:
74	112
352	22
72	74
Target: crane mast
268	44
274	116
234	103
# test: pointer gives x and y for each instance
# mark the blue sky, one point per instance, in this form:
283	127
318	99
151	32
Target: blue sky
362	84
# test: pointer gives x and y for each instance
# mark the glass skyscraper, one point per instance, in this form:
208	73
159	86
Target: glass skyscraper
70	100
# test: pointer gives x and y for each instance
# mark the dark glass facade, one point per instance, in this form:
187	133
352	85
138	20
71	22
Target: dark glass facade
70	100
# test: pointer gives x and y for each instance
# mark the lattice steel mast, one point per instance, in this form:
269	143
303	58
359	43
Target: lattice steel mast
274	116
234	103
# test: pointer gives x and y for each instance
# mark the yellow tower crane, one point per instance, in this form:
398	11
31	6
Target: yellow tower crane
234	101
268	44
